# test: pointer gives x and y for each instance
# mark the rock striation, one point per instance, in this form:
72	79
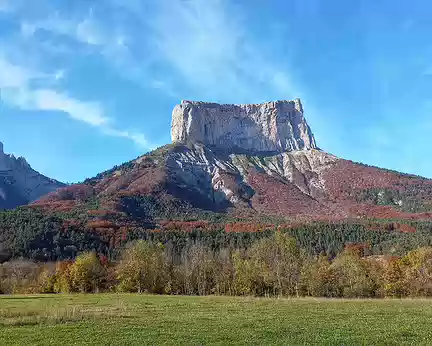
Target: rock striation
268	127
19	183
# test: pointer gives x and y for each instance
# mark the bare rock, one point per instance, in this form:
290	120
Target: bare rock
268	127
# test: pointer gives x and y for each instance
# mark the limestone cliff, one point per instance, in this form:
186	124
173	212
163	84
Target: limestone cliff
268	127
19	183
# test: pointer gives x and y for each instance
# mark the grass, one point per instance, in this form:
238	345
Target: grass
110	319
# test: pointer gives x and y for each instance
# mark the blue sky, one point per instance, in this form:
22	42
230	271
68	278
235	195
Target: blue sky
89	84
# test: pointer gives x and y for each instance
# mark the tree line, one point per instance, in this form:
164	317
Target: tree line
276	266
38	236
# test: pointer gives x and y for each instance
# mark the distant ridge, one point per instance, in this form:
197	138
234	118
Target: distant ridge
19	183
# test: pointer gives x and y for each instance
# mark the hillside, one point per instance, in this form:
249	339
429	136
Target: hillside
193	181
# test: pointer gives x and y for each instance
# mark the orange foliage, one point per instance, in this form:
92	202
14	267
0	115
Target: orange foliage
101	224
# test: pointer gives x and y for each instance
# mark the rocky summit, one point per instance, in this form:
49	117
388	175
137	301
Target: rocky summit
19	183
268	127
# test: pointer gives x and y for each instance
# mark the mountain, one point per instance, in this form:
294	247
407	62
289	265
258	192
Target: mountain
19	183
232	174
243	161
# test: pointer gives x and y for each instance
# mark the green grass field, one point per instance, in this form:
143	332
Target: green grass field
108	319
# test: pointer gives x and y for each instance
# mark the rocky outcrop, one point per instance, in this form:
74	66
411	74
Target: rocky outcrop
228	178
19	183
269	127
235	152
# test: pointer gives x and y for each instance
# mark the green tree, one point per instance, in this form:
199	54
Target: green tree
357	277
393	278
87	273
247	277
46	282
318	278
417	266
63	281
272	267
142	268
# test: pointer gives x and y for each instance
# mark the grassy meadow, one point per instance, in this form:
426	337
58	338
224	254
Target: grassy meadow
132	319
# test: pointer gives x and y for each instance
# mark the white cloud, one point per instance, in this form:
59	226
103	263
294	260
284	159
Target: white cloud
88	32
138	138
17	91
15	82
14	76
87	112
206	42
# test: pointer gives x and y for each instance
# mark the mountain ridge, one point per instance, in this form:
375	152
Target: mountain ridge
20	184
230	177
194	191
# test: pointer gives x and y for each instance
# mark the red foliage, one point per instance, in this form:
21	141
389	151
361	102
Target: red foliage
345	179
273	195
277	196
103	224
137	181
77	192
56	206
103	260
405	228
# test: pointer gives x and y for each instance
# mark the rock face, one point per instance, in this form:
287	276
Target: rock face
229	178
269	127
19	183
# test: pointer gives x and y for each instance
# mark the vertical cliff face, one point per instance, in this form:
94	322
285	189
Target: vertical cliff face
19	183
268	127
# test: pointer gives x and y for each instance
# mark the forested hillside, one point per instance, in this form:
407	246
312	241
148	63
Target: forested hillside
149	199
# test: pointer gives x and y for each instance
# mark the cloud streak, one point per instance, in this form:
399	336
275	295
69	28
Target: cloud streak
17	91
87	112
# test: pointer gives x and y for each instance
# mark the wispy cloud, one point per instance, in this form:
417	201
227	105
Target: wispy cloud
18	91
14	76
199	47
51	100
86	29
137	137
181	48
206	42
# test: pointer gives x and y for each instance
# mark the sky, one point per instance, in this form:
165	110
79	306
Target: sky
89	84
